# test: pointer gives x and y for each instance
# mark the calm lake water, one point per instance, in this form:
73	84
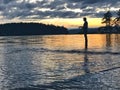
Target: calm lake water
60	62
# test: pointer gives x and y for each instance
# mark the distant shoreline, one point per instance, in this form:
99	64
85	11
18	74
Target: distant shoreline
18	29
57	34
30	29
91	31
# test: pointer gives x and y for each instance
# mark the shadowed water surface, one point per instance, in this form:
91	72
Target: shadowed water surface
59	62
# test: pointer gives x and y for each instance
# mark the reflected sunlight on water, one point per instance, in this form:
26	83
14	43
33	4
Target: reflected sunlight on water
28	61
74	41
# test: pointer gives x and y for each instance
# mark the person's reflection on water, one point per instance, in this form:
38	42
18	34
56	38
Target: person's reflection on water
86	62
85	30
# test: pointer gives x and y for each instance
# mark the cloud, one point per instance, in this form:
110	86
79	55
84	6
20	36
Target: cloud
34	9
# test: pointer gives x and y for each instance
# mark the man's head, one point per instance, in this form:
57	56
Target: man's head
84	19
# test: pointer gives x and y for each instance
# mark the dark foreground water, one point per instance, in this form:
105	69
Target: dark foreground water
60	62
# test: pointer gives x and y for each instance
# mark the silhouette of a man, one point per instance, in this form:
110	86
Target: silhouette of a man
85	25
85	30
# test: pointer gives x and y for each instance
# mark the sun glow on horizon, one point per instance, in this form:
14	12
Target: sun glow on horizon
73	22
66	22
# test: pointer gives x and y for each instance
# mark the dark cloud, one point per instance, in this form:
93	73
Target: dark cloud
55	8
7	1
86	1
93	1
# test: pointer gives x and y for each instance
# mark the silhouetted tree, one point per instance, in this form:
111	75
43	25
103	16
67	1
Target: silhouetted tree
116	21
107	18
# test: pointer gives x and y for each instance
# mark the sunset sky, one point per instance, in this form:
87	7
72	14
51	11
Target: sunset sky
68	13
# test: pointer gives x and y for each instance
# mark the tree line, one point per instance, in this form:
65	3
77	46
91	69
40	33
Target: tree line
111	24
31	29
